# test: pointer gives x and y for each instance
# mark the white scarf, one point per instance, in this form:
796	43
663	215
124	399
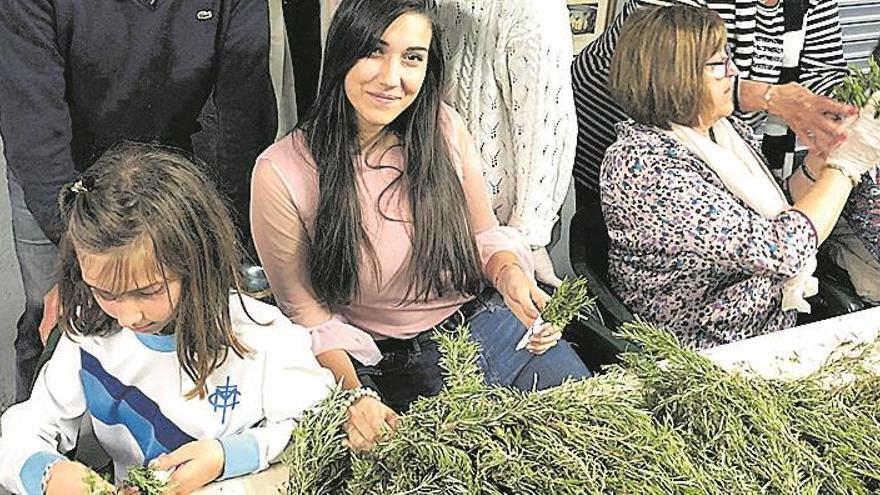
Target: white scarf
746	176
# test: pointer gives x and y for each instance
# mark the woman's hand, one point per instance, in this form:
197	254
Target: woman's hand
861	151
368	419
526	300
817	120
195	464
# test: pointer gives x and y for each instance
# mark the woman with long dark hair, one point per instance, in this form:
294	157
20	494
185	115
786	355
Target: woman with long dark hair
375	229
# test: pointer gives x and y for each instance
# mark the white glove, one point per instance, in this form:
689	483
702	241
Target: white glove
544	272
860	153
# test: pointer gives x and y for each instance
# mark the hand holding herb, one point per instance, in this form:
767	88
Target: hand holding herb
195	464
556	313
861	151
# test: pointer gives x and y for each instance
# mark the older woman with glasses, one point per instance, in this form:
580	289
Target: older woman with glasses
704	241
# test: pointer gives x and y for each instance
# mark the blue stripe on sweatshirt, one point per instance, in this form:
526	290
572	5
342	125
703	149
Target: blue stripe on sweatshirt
112	402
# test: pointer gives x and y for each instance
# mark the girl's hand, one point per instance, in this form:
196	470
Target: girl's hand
526	301
68	477
195	464
368	419
50	313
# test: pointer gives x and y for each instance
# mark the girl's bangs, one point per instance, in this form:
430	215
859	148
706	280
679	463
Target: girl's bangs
130	267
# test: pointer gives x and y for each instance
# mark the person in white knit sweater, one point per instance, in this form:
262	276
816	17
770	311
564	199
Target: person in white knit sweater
509	77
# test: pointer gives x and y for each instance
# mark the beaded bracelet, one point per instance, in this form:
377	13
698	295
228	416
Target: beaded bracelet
44	480
356	394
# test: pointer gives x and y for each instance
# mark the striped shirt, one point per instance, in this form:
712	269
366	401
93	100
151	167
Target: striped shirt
757	35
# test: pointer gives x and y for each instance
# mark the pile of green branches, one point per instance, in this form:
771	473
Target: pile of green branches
665	421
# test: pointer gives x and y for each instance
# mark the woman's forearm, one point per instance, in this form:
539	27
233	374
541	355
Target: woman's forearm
338	362
752	95
824	202
817	120
801	181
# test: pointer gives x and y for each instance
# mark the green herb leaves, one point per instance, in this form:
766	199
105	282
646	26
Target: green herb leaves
858	87
666	421
145	480
567	302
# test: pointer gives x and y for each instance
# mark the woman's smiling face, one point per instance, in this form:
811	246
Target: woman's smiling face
385	83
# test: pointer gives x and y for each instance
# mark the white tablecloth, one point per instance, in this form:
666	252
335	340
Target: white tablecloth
268	482
798	351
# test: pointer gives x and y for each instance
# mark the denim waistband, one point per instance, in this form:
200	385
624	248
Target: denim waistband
462	315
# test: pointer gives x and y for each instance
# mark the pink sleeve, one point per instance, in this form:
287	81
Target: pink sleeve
491	237
282	243
337	334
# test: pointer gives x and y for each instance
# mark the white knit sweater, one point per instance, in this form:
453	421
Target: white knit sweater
508	75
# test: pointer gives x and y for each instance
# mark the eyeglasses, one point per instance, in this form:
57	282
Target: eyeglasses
724	67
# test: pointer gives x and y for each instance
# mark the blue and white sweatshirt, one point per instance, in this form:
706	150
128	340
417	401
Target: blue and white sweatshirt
133	387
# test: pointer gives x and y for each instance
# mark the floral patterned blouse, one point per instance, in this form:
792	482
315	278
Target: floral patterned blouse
687	254
862	213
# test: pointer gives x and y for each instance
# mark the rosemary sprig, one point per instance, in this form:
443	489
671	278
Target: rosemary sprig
859	85
567	302
96	485
144	479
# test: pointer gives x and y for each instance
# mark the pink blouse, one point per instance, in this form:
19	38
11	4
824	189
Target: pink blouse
283	204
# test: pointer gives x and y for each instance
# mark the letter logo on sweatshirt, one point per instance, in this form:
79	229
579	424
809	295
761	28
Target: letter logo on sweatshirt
224	397
204	15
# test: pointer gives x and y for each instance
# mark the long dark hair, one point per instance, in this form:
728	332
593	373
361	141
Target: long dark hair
444	253
151	207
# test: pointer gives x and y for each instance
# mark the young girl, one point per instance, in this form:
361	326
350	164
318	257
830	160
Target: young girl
172	367
375	230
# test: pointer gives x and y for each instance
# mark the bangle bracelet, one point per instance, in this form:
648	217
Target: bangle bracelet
356	394
501	271
806	170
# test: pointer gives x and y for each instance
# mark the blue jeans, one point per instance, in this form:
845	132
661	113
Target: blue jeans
410	369
37	258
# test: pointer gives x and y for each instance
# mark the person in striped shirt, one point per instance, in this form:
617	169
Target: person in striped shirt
788	54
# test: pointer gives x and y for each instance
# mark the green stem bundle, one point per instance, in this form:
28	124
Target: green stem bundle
145	480
859	85
567	302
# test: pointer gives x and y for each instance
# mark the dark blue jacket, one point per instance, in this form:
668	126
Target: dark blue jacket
76	76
